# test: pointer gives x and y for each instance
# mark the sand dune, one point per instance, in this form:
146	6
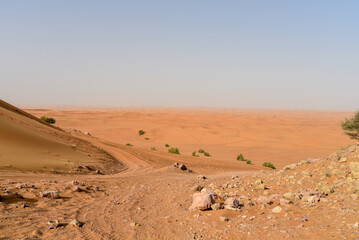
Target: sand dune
281	137
26	143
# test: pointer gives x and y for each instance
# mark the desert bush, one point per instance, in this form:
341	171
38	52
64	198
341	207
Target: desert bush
167	145
146	138
48	119
194	154
201	151
351	126
268	164
174	150
206	154
141	132
240	157
249	162
153	149
128	144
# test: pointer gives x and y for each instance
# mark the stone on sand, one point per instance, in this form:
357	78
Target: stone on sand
50	194
76	223
134	224
216	206
277	209
53	224
202	200
76	189
231	203
182	167
202	177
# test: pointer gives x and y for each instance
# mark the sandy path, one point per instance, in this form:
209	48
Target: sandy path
150	193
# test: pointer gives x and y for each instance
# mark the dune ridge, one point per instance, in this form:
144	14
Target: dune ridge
27	143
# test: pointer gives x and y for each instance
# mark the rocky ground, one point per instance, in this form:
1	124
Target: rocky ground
314	199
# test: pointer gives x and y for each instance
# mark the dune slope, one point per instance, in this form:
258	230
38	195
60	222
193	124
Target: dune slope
26	143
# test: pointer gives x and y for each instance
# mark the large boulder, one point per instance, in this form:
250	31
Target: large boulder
202	200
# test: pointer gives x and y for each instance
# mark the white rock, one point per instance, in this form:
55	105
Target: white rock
277	209
202	201
75	223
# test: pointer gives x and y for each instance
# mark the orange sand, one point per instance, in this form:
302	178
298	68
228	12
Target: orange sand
281	137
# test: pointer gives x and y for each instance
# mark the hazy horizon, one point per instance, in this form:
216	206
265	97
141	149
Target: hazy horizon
234	54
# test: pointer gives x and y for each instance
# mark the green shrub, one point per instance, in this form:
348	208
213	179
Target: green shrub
167	145
201	151
249	162
153	149
174	150
240	157
194	154
141	132
206	154
128	144
48	119
268	164
146	138
351	126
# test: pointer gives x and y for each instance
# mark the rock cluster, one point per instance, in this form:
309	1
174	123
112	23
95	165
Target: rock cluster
329	185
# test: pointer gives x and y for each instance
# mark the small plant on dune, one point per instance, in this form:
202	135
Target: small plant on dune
240	157
146	138
249	162
351	126
153	149
129	144
268	164
194	154
174	150
141	132
167	145
48	119
206	154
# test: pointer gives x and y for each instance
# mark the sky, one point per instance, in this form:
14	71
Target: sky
221	54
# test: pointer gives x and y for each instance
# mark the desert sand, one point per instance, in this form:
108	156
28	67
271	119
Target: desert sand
281	137
132	192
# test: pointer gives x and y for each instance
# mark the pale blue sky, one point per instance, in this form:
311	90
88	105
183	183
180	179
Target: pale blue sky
234	54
